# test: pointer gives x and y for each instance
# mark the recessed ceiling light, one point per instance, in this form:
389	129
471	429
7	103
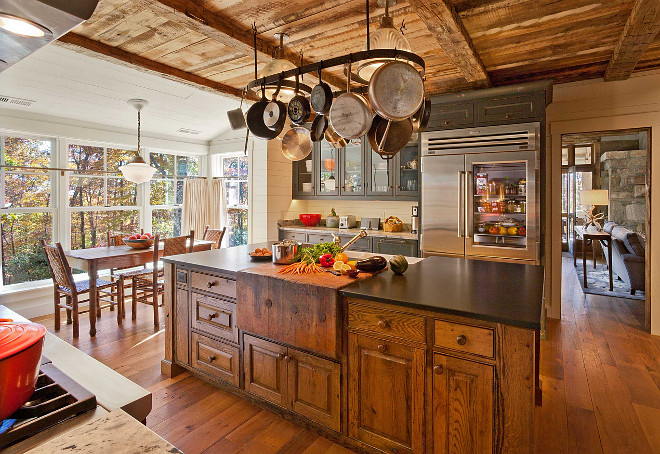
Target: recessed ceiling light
22	27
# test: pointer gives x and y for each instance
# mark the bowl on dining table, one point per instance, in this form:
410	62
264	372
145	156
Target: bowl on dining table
140	243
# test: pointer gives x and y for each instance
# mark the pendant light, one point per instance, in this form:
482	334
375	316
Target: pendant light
385	37
138	171
277	65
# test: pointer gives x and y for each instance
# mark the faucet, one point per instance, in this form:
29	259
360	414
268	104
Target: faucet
337	240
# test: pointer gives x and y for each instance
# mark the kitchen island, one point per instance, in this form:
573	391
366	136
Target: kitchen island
441	359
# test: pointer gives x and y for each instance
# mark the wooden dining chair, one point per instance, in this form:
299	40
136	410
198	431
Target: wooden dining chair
123	274
65	287
147	287
215	235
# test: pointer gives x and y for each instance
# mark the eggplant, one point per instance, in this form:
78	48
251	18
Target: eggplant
372	264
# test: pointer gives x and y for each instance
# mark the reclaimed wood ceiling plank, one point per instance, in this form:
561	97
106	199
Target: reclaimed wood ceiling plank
96	48
641	28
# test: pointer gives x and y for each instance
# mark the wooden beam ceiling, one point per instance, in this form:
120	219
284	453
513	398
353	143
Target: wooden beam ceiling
641	29
445	25
224	30
96	48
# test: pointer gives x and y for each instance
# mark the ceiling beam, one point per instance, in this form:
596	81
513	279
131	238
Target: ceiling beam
225	30
641	29
96	48
447	28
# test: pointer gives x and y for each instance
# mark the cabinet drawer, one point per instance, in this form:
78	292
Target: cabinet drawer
393	246
315	238
215	358
508	109
363	244
215	317
451	116
295	236
390	323
215	284
464	338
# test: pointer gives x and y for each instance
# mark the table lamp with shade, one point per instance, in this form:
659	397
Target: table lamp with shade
594	197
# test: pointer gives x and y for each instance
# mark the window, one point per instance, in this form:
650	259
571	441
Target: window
100	202
235	170
166	191
27	214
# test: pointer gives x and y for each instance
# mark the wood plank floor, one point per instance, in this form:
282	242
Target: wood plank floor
600	374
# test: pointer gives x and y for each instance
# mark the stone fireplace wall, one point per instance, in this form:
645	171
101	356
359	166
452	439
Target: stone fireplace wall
623	173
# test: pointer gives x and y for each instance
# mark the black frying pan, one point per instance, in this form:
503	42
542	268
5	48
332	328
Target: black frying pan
319	125
299	108
321	97
255	118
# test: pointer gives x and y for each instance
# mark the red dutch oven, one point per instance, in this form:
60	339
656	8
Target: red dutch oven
20	356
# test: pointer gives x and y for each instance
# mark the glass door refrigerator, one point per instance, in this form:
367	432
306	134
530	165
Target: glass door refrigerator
480	196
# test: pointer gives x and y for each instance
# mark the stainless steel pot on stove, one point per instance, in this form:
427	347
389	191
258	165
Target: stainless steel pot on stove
285	252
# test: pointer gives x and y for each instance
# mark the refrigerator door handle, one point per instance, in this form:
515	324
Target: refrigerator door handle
468	204
461	204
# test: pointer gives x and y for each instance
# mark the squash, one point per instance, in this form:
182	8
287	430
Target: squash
398	264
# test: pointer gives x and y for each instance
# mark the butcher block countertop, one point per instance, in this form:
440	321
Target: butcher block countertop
506	293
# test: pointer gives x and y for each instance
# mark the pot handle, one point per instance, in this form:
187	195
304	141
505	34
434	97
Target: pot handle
382	141
279	85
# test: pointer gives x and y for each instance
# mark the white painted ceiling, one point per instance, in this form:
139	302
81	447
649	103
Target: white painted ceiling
70	85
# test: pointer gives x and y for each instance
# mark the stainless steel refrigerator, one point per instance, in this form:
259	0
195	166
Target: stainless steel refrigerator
480	193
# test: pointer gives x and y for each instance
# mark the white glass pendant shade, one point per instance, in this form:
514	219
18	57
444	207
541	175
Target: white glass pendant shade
138	171
275	66
385	37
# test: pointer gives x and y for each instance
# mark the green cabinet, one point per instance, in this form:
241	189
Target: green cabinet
357	172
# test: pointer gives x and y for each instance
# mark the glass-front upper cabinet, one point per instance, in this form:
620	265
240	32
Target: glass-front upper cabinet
328	170
407	177
380	181
303	176
352	174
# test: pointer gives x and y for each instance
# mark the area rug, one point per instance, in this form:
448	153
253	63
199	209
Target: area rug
599	283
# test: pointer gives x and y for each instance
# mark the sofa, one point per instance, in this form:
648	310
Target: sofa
628	256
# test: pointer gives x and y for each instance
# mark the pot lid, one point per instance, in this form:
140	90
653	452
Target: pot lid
16	337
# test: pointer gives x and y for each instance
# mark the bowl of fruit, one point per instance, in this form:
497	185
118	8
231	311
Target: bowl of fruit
137	241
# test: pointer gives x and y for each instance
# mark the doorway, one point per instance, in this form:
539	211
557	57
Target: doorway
615	165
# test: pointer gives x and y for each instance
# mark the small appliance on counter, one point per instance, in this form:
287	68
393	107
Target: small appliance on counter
347	222
414	221
370	223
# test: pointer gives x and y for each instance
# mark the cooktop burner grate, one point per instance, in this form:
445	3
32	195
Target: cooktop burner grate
56	398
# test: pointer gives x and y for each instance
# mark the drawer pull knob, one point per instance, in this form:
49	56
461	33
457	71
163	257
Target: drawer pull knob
381	347
213	315
438	369
461	340
268	303
383	324
280	356
294	309
287	358
212	284
211	358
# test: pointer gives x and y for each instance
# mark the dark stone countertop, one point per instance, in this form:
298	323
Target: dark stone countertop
507	293
227	261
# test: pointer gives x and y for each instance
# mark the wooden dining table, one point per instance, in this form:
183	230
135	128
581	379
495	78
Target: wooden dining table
92	260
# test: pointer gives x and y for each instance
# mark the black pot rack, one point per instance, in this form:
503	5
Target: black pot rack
356	57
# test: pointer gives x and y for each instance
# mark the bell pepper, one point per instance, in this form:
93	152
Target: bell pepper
326	260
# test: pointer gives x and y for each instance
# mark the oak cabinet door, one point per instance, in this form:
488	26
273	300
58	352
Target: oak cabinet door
462	406
265	369
386	394
215	358
314	387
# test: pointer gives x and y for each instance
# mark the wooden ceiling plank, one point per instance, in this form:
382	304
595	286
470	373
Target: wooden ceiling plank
114	54
641	29
444	24
224	30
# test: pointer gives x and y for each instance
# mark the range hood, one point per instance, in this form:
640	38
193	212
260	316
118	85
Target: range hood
52	18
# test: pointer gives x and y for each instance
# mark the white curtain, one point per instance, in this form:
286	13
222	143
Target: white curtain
203	203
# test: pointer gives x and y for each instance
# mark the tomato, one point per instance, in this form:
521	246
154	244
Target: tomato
341	257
